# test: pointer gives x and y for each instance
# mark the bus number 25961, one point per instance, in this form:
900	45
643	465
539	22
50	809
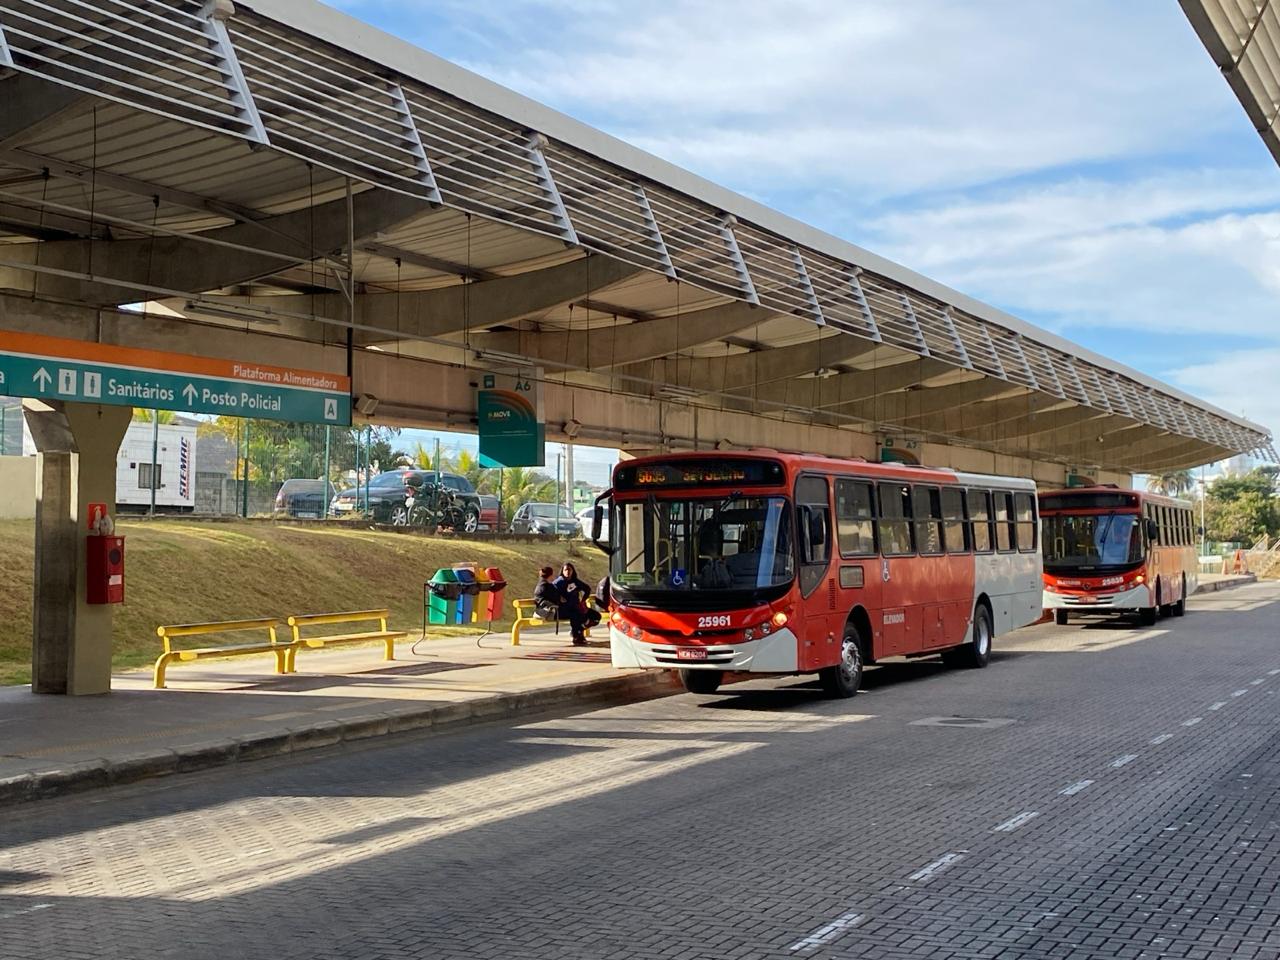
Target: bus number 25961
717	620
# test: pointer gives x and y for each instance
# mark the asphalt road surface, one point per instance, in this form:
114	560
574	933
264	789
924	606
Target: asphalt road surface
1098	791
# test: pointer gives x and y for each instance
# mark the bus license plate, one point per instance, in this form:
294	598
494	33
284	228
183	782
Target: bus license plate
691	653
1086	599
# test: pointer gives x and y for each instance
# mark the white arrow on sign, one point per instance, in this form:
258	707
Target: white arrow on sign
189	392
43	378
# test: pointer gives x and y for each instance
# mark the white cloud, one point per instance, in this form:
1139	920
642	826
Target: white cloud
1166	253
883	96
1240	382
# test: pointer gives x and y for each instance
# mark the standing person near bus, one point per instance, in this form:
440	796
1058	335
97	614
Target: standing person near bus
575	591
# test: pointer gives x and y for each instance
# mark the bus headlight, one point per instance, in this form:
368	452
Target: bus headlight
748	634
1139	579
780	619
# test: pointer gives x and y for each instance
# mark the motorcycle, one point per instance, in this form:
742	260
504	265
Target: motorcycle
438	509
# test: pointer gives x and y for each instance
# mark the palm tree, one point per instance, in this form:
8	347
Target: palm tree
1172	484
143	415
522	485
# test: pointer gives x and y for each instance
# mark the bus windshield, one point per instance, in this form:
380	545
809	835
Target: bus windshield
1092	541
701	547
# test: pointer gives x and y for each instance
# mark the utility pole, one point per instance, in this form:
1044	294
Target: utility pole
1204	493
559	494
568	475
155	454
325	488
244	491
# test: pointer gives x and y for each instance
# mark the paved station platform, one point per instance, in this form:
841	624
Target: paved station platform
225	711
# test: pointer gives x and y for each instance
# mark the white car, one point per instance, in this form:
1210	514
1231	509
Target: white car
584	519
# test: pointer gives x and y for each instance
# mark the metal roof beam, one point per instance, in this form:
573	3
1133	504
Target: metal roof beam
655	233
548	183
622	344
743	372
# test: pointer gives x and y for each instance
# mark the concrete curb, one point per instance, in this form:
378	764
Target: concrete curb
1239	581
161	762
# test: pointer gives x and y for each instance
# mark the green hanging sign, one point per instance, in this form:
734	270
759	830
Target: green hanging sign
512	433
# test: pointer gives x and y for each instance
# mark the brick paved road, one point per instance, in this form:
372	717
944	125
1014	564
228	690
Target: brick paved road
1130	809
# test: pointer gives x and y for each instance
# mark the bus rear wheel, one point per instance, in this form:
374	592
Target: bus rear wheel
1060	617
843	679
701	681
977	652
1180	608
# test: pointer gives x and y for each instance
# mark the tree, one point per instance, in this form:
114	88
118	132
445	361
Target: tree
1259	481
143	415
522	485
1175	483
1244	519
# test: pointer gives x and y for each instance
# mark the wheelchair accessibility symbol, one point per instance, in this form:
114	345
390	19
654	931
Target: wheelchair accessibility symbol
884	570
678	578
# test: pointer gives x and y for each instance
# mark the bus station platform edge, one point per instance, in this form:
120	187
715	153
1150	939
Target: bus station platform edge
217	712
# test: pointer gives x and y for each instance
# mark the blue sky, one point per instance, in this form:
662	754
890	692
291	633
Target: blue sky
1080	165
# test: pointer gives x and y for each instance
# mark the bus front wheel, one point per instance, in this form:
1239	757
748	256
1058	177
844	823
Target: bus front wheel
1147	616
1060	617
701	681
843	679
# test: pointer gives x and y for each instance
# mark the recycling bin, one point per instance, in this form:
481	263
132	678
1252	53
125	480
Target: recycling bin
442	602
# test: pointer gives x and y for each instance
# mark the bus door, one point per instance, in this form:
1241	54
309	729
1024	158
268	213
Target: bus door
823	624
859	574
901	587
942	572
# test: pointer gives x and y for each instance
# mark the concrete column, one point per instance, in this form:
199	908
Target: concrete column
77	445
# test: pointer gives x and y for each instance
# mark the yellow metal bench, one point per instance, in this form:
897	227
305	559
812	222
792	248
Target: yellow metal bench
169	633
526	616
388	637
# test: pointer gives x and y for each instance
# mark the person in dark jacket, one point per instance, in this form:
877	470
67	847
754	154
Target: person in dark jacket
547	597
574	608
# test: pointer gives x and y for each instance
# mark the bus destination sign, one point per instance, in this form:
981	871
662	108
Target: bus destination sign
699	473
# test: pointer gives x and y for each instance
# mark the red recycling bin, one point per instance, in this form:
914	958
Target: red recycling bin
493	598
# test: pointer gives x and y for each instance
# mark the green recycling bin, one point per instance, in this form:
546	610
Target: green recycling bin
442	605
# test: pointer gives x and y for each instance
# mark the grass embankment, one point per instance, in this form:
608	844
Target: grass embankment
192	571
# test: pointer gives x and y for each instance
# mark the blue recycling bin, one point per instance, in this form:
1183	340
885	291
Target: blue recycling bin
466	579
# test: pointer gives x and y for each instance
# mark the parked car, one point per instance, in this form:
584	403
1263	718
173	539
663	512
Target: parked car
305	499
488	512
585	520
553	518
386	495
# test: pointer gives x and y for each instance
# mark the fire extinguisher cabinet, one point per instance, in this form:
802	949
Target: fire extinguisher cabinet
104	569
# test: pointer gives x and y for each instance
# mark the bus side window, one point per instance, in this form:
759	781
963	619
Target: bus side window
955	535
895	519
927	509
854	518
980	520
1022	505
1004	521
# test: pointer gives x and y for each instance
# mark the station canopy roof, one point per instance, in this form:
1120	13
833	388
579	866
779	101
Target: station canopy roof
1243	37
277	165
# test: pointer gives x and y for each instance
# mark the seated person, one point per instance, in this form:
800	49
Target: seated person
547	597
574	592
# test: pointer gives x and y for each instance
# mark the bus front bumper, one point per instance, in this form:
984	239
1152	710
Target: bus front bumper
776	653
1132	599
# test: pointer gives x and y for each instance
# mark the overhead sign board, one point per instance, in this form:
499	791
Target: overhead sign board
509	415
53	368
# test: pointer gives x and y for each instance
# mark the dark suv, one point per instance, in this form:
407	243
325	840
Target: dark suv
386	493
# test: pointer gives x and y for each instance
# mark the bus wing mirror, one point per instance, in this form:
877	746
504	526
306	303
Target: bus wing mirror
597	523
1153	531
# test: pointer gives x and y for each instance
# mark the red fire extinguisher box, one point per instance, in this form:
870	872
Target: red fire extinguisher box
104	570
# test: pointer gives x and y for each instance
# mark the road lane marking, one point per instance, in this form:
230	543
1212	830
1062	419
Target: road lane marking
1254	683
1119	762
1272	673
1239	693
1075	788
1155	742
1218	706
828	933
25	910
1192	722
932	869
1013	823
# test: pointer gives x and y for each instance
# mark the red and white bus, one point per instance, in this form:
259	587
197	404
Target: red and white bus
762	562
1108	550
